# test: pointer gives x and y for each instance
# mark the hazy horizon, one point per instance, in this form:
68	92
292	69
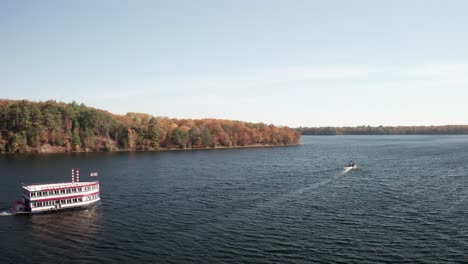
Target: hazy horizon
304	63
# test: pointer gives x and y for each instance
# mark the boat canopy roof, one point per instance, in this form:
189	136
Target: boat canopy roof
55	186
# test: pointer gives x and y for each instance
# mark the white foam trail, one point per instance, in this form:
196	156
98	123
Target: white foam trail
346	170
6	213
316	185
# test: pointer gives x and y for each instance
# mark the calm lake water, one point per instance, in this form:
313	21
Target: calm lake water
407	202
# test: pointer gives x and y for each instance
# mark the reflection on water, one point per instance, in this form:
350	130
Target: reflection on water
407	202
68	234
66	223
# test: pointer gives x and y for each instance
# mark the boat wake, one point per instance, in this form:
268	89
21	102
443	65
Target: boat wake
7	212
346	170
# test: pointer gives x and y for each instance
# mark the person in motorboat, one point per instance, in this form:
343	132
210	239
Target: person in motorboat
352	164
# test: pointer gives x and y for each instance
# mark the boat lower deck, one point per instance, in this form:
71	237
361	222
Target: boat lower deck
69	207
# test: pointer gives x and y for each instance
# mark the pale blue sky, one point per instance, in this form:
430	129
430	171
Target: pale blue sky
295	63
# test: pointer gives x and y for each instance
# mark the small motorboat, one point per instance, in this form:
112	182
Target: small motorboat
351	165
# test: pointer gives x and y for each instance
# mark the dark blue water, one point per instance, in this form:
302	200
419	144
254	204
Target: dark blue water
407	202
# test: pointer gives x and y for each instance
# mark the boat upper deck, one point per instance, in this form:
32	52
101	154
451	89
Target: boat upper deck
58	186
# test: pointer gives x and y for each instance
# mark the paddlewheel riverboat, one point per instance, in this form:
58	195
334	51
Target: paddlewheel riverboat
43	198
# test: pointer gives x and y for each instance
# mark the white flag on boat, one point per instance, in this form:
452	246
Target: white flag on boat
93	174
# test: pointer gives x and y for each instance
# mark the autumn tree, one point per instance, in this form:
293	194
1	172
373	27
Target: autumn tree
76	140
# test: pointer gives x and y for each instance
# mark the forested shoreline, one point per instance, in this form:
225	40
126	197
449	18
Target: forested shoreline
387	130
51	126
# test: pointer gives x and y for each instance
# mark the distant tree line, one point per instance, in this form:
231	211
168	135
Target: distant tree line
52	126
386	130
